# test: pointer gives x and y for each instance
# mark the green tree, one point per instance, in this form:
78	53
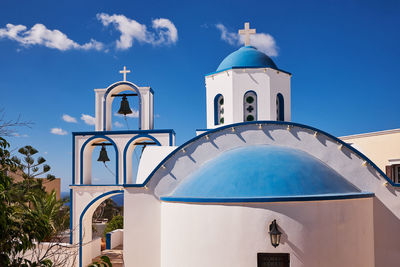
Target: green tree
117	222
19	225
105	262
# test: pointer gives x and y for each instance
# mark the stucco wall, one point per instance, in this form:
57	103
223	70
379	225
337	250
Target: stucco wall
141	228
380	147
321	233
234	83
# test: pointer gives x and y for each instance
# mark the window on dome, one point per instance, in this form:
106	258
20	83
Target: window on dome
250	106
218	109
280	107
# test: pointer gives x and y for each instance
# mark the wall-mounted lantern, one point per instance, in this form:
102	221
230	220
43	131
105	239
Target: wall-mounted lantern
275	234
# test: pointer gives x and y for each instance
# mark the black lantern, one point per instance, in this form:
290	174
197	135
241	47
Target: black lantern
275	234
103	157
124	108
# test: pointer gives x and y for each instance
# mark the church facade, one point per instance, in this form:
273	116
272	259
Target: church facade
252	189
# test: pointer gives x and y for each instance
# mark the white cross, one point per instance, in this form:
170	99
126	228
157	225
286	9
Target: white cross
246	32
124	72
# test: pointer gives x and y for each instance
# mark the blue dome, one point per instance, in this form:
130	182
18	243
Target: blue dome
264	173
247	57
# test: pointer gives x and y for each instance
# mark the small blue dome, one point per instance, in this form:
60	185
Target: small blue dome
264	173
247	57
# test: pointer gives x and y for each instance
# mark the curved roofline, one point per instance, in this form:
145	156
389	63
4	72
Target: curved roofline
361	155
232	68
269	199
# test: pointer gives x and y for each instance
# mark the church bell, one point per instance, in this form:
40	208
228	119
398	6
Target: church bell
124	108
103	154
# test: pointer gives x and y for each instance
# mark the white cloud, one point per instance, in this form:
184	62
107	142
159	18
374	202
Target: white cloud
134	114
89	120
263	41
19	135
58	131
118	124
40	35
229	37
164	32
68	118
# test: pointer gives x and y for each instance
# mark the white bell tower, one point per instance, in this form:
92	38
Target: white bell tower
247	86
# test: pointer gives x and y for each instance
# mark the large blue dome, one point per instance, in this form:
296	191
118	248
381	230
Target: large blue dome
247	57
264	173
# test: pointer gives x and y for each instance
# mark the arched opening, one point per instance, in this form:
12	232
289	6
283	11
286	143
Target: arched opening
99	172
90	242
114	91
250	106
133	154
280	107
219	109
128	121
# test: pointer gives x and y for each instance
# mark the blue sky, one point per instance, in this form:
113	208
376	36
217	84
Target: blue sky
343	56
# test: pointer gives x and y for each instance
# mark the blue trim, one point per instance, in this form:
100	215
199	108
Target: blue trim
170	131
285	123
130	141
216	111
71	214
202	130
109	89
116	155
83	213
281	102
73	159
108	241
244	101
83	185
269	199
152	91
234	68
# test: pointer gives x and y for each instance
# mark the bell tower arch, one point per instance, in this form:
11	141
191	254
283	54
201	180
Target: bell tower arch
105	97
87	190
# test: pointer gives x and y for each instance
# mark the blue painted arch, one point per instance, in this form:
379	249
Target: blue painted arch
98	198
216	111
116	156
130	142
109	89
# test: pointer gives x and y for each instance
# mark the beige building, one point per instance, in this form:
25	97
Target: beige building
48	185
382	147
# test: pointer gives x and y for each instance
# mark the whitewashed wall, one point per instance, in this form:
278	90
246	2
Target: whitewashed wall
141	228
116	238
234	83
320	233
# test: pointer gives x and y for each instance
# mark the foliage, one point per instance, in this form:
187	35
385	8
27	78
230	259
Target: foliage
107	210
105	262
28	215
29	167
19	225
117	222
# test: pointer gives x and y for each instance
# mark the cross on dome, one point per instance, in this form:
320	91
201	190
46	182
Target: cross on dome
124	72
246	32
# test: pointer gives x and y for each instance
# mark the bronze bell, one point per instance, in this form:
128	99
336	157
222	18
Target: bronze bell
103	154
124	108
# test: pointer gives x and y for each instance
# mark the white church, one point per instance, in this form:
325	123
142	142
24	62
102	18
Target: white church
253	189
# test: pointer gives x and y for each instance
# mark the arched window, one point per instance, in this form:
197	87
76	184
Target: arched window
250	106
280	107
218	109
